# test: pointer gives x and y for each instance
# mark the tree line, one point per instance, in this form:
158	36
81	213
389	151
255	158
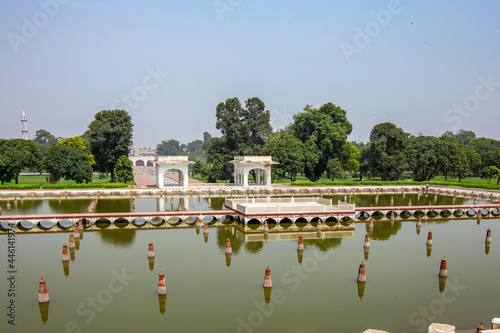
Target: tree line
102	148
315	144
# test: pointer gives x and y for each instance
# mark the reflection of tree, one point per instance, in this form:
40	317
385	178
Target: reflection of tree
217	203
222	235
118	238
323	244
113	206
383	230
27	207
385	200
254	247
68	206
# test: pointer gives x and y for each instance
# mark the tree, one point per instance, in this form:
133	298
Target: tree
43	139
492	157
324	131
473	160
244	132
422	157
110	135
196	169
195	151
169	148
206	136
291	154
451	157
69	163
18	154
79	143
387	157
462	136
334	168
490	173
123	170
482	147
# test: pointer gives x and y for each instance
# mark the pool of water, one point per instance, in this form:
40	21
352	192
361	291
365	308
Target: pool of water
111	285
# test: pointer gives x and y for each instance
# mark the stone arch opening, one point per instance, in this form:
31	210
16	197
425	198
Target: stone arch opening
139	163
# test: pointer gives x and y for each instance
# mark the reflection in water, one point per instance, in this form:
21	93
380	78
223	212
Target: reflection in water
442	283
361	289
366	253
429	250
65	264
77	243
44	311
228	259
384	231
68	206
162	301
300	255
267	294
205	237
72	253
223	234
118	238
324	244
254	247
487	246
151	262
113	205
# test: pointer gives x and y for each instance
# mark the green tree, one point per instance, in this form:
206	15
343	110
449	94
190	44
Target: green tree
43	139
490	173
244	132
18	154
492	157
422	157
69	163
334	168
387	157
206	136
483	146
169	148
324	131
110	135
462	136
291	154
78	142
196	169
123	170
451	157
473	160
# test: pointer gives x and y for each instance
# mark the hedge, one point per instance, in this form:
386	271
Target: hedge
61	186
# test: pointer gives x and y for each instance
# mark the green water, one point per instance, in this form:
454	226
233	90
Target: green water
204	295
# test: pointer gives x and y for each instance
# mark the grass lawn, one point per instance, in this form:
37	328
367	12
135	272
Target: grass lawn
35	181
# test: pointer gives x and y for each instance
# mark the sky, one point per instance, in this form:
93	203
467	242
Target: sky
427	66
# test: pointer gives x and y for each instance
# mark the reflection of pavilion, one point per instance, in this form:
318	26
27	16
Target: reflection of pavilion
249	235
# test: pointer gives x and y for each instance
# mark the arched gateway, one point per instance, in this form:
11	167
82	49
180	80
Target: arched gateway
164	163
261	165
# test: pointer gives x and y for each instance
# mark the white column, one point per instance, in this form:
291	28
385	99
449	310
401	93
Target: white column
245	176
268	176
185	180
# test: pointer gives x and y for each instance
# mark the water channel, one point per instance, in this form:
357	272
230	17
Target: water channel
112	286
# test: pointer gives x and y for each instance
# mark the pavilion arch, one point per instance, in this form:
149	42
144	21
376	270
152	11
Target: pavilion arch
150	164
285	220
179	163
260	166
139	163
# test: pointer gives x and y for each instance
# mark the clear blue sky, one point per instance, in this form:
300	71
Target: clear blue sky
63	61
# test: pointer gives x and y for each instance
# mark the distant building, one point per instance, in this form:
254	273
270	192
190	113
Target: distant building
24	125
142	151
